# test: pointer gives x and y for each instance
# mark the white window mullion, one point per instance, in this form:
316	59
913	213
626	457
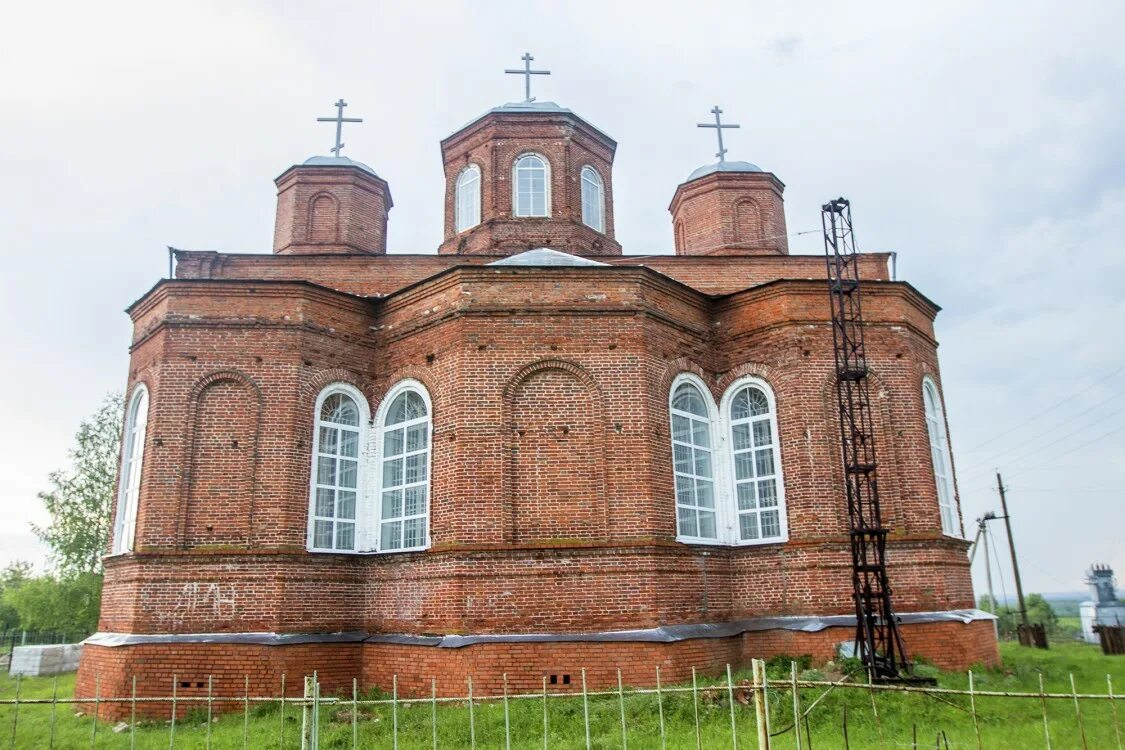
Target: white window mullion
757	499
940	457
336	481
403	492
132	459
698	518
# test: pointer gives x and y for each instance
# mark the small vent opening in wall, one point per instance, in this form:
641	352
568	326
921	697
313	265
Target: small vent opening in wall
555	679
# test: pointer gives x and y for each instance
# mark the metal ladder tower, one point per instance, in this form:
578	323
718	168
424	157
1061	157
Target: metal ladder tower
877	638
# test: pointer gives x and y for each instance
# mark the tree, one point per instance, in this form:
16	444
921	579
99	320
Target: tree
62	605
1039	612
11	578
81	500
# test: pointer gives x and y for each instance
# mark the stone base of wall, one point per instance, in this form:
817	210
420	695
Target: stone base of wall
234	668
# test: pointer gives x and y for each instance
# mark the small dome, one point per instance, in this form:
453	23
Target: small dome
724	166
337	161
545	256
535	106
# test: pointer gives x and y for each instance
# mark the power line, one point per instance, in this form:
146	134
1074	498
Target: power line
1071	489
973	473
1051	408
1038	435
1075	448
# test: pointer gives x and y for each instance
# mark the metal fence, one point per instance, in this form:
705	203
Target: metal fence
758	712
9	639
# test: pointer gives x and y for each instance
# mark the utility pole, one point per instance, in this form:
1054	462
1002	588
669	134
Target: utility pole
988	573
1012	546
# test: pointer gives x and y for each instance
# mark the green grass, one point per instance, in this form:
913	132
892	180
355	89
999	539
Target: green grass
1004	722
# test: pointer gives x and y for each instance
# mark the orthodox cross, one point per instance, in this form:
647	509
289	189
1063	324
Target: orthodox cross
527	73
339	119
718	126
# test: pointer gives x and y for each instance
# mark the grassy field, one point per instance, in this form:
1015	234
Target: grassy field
1004	722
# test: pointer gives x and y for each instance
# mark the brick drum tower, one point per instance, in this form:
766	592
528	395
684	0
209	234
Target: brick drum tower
527	453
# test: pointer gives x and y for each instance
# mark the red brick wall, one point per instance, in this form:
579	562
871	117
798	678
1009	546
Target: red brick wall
578	537
110	671
380	276
555	558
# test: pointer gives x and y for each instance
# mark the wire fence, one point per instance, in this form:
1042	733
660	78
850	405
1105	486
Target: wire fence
9	639
759	712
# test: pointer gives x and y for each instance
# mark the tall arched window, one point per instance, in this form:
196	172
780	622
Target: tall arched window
756	463
341	414
468	198
593	199
531	186
132	457
696	513
939	455
404	469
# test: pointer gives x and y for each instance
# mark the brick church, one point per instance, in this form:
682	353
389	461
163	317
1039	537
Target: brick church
528	453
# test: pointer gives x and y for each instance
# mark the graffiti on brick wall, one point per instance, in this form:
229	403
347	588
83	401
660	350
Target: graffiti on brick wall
201	601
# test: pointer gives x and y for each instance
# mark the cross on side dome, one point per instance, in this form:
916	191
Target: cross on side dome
718	126
339	119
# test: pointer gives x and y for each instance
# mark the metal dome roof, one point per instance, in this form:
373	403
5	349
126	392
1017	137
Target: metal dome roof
545	256
724	166
337	161
531	107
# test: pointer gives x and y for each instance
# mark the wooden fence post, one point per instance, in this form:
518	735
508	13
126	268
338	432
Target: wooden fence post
761	707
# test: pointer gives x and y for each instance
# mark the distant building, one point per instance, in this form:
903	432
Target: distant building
1105	608
525	454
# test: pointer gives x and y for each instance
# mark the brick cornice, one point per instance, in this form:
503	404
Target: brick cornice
498	120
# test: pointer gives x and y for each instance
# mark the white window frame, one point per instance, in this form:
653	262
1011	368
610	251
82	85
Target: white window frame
727	422
591	177
360	490
722	463
132	463
546	186
408	384
462	221
939	449
717	483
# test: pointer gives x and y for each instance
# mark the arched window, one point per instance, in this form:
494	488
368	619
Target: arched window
132	457
404	469
939	455
756	463
593	199
341	414
727	464
531	186
468	198
696	512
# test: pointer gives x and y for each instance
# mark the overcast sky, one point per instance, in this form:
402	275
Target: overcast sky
984	142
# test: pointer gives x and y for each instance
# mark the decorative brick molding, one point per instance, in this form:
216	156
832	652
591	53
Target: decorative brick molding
554	482
215	463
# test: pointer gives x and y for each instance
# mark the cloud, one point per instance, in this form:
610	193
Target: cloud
987	147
